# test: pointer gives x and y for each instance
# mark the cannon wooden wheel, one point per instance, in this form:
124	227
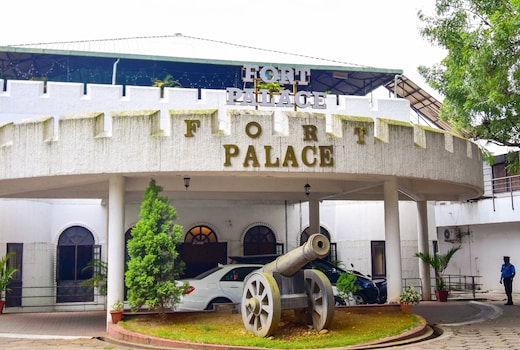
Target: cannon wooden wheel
321	298
261	306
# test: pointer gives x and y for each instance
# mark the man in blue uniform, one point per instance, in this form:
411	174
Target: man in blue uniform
507	274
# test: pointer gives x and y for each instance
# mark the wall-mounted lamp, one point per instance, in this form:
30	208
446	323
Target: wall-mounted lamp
307	188
187	182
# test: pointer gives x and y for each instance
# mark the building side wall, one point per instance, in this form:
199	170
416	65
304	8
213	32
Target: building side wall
482	250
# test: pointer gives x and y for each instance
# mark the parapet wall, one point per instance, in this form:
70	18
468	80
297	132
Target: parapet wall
207	136
27	99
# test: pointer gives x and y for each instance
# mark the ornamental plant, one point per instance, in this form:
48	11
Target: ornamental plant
6	274
346	285
117	306
98	269
410	296
439	263
154	263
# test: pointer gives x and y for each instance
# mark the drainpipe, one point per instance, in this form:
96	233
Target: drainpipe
114	70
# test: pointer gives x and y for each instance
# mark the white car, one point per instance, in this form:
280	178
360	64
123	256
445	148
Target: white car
222	284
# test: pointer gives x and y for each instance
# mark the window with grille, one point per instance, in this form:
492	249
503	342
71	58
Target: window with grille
200	235
260	240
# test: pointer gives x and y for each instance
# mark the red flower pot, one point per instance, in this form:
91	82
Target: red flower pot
116	316
442	295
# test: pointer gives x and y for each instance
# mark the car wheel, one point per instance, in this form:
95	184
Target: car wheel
359	299
217	301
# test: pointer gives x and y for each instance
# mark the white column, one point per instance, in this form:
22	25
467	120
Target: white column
314	216
393	242
116	241
422	245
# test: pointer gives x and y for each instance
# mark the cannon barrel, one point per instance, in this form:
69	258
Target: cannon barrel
317	246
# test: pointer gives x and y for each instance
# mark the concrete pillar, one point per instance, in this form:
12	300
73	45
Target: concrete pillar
393	241
116	241
314	216
422	245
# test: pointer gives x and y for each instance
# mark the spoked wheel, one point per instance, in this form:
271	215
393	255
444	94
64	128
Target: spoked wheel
321	298
261	305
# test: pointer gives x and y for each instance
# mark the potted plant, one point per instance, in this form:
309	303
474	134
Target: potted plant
439	263
6	274
117	311
408	298
346	285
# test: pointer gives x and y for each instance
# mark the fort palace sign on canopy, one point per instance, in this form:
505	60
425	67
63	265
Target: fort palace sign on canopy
284	98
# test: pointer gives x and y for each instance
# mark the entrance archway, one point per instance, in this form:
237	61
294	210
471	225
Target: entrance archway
75	250
201	250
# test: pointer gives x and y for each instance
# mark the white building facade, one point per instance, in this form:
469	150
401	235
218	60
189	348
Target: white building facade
76	158
247	169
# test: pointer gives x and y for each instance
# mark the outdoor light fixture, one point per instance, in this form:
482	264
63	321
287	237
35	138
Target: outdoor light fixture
187	182
307	189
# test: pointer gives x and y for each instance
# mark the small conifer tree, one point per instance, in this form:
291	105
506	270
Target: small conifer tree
154	263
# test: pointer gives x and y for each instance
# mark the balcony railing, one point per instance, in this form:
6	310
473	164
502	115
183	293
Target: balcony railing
505	186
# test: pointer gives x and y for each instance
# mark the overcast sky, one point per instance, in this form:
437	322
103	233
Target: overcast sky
379	33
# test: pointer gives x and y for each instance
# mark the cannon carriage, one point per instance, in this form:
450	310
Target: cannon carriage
283	285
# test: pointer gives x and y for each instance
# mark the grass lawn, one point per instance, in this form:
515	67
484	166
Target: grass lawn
351	325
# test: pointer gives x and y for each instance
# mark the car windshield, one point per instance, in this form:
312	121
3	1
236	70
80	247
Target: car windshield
325	267
206	273
239	274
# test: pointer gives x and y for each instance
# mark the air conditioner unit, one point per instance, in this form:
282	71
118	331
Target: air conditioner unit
452	235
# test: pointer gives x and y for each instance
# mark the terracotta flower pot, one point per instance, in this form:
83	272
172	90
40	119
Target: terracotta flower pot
116	316
406	308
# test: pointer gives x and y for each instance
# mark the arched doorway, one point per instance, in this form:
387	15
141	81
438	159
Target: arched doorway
261	240
201	250
75	250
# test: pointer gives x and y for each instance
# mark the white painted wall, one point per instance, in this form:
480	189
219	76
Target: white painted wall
492	230
352	225
37	224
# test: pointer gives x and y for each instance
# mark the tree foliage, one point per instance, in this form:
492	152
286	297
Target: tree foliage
480	75
154	263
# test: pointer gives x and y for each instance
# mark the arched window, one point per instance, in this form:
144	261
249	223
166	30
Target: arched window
75	250
201	250
200	235
333	255
259	240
